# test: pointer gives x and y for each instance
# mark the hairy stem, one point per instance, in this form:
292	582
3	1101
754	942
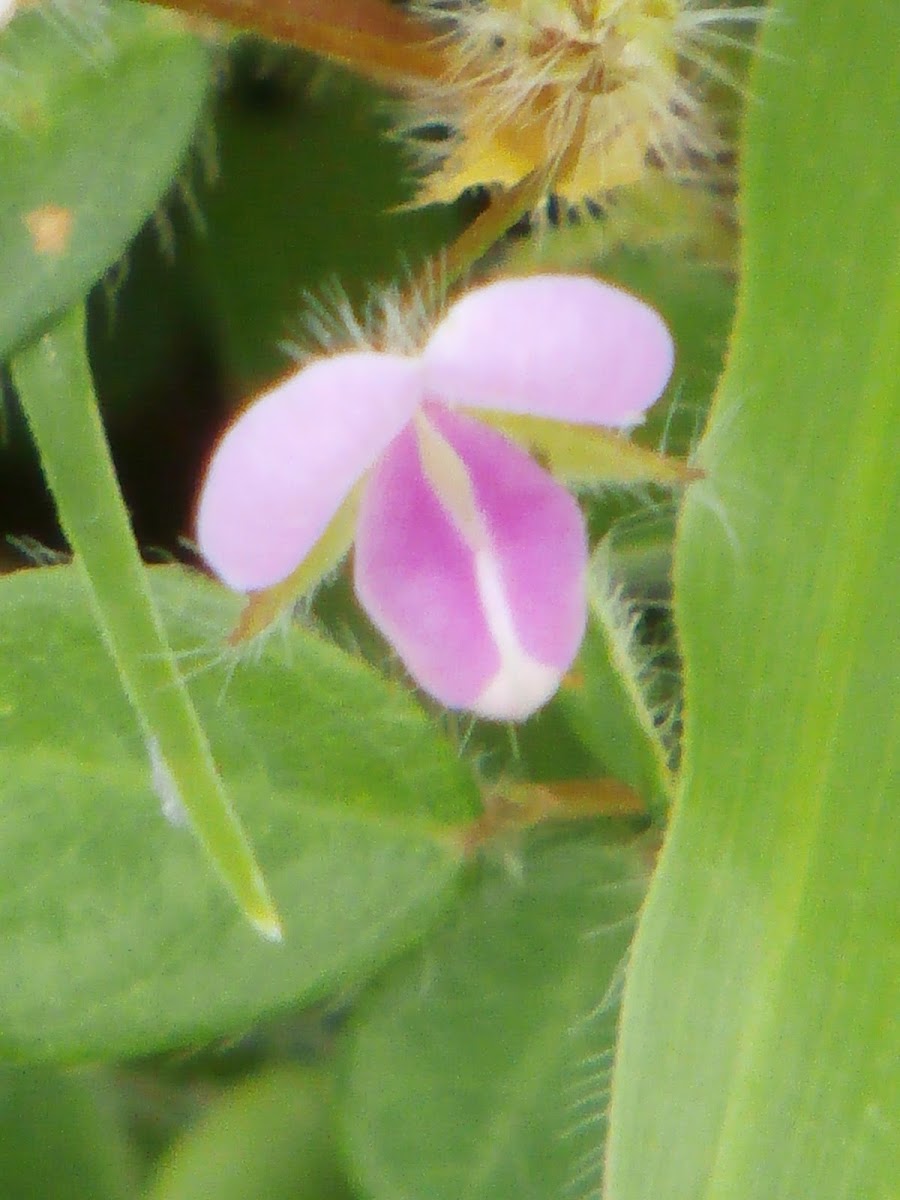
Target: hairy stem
55	386
508	207
372	37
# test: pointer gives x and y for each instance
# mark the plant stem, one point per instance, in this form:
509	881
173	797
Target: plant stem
505	209
372	37
508	207
55	386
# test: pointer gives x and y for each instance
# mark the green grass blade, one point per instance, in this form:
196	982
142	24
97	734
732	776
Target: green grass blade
759	1040
53	379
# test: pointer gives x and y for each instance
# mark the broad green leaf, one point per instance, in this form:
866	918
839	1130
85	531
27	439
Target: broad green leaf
113	939
61	1138
269	1137
759	1044
53	379
93	127
480	1066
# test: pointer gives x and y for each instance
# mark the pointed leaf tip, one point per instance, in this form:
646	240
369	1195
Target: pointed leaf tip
269	925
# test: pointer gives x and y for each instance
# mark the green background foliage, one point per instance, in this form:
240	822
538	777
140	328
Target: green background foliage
480	1066
443	1017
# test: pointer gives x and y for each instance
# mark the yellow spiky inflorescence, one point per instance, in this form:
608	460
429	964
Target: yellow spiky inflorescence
590	91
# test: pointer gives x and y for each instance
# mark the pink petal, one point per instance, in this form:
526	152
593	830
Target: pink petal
561	346
283	469
489	628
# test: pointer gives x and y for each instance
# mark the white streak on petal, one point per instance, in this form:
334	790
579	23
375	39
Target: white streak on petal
415	576
450	482
534	532
522	684
470	559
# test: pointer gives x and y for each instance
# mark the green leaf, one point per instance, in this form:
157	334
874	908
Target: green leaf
92	130
60	1138
268	1137
759	1039
608	703
480	1066
113	941
53	379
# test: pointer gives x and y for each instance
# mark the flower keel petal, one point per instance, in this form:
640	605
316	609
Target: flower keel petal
537	559
283	469
415	576
486	619
566	347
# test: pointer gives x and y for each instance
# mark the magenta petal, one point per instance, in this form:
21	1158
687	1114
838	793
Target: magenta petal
491	628
537	533
561	346
415	576
283	469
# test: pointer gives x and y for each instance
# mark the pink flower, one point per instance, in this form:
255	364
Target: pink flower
470	558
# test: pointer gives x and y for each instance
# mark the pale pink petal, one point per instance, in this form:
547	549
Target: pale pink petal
490	627
562	346
415	576
538	535
280	473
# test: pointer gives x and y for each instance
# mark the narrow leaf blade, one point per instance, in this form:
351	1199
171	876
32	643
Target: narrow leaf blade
759	1038
54	382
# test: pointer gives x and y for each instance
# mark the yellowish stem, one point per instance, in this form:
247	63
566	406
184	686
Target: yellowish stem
522	806
372	37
